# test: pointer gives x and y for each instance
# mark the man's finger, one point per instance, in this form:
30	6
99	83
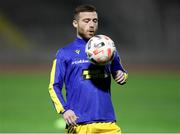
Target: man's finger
120	80
119	75
73	120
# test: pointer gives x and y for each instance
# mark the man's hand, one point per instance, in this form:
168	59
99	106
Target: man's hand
120	77
70	117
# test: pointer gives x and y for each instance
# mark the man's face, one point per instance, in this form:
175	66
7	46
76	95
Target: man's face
86	24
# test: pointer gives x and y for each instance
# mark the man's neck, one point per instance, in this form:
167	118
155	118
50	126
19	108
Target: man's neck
78	36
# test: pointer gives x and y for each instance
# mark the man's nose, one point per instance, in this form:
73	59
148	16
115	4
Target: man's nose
91	24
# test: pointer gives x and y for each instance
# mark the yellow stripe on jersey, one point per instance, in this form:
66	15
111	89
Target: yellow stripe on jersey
57	103
94	128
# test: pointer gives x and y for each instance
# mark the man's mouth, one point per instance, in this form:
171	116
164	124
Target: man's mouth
91	31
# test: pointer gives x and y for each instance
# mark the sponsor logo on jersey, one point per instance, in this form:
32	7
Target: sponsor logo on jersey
80	61
94	74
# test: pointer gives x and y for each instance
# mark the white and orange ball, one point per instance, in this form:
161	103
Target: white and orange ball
100	49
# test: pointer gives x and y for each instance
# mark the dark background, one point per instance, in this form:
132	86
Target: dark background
144	31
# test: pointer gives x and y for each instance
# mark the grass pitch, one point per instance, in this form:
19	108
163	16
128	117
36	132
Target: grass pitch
149	102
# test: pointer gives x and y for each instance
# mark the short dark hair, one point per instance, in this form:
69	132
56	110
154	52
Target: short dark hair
84	8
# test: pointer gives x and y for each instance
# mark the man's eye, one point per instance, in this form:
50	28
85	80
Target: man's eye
86	21
95	21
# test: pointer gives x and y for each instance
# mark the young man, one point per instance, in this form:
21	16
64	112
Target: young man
88	107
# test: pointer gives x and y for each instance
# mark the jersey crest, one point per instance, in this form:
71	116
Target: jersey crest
77	51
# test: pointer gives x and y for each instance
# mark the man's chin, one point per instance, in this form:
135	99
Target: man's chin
87	36
90	36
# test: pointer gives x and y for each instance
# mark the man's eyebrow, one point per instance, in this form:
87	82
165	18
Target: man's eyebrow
86	18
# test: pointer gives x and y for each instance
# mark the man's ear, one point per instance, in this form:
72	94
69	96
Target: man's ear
75	23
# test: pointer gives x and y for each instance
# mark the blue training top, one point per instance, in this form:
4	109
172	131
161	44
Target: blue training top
87	85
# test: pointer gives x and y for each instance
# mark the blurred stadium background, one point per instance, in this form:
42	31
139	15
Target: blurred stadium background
146	33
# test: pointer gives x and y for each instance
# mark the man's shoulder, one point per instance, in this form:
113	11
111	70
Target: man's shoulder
64	51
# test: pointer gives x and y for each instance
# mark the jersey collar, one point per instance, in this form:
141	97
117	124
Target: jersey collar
80	41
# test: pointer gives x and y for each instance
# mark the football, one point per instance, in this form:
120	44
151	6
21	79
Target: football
100	49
